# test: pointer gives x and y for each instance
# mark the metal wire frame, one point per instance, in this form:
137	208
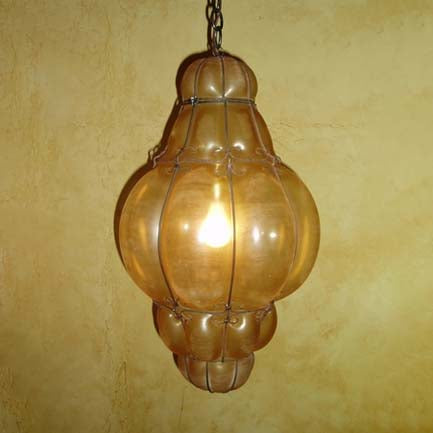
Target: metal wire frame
208	381
233	212
227	159
178	308
222	100
277	176
169	189
172	163
270	159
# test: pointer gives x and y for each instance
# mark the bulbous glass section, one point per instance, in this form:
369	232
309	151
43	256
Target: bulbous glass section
220	228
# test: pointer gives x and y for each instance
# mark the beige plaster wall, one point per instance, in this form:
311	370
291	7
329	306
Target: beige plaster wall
346	87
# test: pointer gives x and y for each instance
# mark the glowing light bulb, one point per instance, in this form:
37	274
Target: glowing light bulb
215	231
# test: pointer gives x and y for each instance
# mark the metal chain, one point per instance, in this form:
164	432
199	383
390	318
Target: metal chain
215	27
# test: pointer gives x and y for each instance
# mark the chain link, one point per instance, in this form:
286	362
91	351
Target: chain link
216	23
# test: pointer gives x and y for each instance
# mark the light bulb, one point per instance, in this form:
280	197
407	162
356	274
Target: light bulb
215	230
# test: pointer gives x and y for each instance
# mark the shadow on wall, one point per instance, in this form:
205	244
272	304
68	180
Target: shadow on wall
155	151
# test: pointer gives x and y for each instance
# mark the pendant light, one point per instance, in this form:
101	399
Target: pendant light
219	228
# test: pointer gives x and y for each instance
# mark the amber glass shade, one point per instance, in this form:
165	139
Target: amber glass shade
219	229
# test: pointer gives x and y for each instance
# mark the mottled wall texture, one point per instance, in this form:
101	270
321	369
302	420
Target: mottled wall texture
86	87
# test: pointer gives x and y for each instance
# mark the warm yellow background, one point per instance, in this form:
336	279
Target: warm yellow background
346	87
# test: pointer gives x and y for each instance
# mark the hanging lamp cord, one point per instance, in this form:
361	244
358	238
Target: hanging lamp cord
215	26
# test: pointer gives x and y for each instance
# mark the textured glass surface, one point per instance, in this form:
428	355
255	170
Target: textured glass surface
216	376
213	336
219	228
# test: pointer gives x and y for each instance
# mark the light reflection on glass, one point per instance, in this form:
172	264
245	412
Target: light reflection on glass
256	234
